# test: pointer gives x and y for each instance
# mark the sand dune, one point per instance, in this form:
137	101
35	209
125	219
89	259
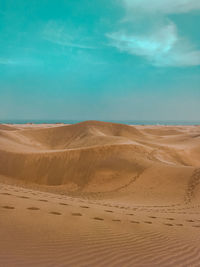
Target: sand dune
7	127
102	194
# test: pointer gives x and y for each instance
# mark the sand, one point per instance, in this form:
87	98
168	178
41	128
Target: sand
99	194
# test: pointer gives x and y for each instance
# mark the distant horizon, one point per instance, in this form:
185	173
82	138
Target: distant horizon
129	122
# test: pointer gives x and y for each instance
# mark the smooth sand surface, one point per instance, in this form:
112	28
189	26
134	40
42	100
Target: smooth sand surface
99	194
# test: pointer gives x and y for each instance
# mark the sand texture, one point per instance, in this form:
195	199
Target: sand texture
99	194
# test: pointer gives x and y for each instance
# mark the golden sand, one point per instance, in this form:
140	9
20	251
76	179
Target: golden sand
99	194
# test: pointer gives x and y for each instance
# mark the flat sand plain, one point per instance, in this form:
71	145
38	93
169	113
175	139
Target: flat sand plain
99	194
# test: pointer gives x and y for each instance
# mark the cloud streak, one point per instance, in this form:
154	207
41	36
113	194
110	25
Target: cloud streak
56	33
162	6
162	48
20	62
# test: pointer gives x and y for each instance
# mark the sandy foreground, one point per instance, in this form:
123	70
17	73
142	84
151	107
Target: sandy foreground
99	194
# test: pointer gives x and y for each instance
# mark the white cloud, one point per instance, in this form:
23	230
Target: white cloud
162	6
57	33
162	48
161	45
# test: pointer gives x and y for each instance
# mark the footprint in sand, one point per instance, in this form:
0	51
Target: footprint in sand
148	222
168	224
64	204
55	213
116	220
84	207
23	197
76	214
8	207
152	217
189	221
179	224
98	219
43	200
170	219
196	226
33	208
6	194
130	214
135	222
108	211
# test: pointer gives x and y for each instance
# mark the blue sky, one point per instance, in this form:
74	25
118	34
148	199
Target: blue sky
105	59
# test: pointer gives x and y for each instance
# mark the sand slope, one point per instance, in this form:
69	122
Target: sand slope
102	194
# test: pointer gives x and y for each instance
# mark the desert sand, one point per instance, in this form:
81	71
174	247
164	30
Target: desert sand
99	194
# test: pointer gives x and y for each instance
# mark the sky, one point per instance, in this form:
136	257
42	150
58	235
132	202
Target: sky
100	60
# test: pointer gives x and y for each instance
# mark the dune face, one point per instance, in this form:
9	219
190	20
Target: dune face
137	185
99	156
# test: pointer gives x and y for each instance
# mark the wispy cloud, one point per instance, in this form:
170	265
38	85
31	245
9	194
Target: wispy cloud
162	6
20	62
159	41
57	33
162	48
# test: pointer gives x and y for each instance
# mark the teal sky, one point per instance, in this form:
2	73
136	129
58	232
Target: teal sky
100	59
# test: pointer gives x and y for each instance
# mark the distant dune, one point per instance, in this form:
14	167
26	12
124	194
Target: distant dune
7	127
150	171
97	156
